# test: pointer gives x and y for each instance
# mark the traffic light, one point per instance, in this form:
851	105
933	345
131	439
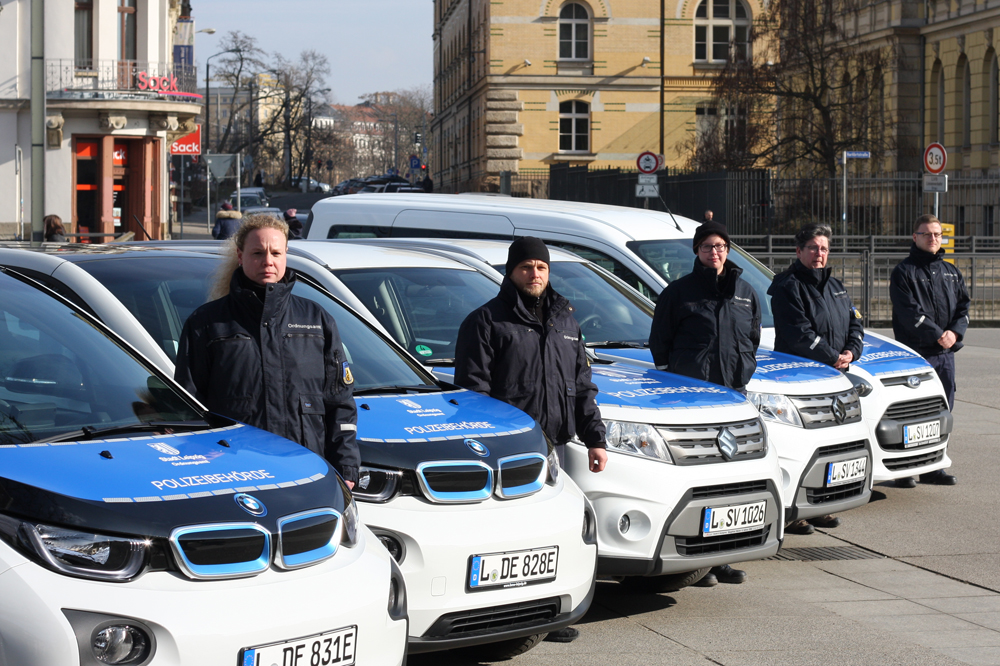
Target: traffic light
329	165
418	138
319	164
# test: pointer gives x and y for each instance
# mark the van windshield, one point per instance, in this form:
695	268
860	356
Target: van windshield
673	259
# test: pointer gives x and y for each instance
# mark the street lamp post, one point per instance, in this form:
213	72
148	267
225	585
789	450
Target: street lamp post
309	137
208	99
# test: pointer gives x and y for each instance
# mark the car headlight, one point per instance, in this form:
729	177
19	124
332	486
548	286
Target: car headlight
860	385
86	554
349	537
553	469
775	407
376	484
637	439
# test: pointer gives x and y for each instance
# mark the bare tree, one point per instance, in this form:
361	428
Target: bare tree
803	90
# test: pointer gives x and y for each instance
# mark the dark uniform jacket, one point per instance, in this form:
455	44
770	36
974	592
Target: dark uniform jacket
708	328
928	297
504	351
813	315
227	223
277	365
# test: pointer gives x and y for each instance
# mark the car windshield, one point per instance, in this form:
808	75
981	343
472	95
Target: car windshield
59	373
673	259
421	308
162	292
606	310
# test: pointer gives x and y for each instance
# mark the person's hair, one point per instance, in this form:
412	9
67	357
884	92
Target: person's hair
53	225
811	231
924	219
224	275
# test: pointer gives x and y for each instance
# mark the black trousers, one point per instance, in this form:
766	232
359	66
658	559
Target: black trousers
944	365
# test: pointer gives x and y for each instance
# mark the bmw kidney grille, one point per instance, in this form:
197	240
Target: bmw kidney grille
521	475
222	550
308	538
455	481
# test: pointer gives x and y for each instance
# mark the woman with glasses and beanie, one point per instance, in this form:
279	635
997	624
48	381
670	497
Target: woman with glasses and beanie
707	326
815	318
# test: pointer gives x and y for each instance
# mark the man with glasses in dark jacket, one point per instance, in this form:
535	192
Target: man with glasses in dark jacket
707	326
815	318
930	313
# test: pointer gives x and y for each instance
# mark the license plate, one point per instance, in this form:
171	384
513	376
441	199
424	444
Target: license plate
846	471
326	649
514	569
732	519
921	433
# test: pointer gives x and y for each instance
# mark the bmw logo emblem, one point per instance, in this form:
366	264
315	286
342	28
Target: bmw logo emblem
251	504
913	381
727	444
477	448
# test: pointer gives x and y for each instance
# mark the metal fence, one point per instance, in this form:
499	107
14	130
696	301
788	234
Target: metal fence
104	79
866	276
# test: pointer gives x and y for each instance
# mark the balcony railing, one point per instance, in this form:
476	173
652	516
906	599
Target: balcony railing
120	79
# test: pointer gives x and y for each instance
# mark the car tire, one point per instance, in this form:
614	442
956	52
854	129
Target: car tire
509	649
665	583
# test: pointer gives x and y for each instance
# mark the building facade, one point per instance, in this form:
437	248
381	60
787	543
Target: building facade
524	84
114	102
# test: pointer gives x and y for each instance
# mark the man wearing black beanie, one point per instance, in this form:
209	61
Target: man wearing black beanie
524	347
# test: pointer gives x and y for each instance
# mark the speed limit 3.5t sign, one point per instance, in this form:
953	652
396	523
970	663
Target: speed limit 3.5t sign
935	158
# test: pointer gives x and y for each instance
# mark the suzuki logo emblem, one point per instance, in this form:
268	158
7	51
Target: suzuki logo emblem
839	409
727	444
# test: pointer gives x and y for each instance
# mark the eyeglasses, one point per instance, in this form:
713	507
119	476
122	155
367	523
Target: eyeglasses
932	234
708	249
816	249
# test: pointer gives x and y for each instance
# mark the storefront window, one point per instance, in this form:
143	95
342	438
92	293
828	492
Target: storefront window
86	155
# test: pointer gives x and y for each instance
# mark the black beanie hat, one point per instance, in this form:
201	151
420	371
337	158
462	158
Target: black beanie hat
709	229
524	248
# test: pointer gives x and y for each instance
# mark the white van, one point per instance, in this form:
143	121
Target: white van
900	393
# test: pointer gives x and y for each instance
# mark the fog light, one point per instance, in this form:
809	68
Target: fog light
392	545
121	644
624	523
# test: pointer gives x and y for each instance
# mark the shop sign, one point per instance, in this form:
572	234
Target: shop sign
187	145
163	84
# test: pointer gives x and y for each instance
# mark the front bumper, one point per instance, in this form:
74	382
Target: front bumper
204	622
440	540
665	505
804	456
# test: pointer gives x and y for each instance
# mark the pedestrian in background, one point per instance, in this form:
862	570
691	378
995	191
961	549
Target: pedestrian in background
815	318
294	225
54	230
227	221
707	217
236	357
524	347
930	313
707	326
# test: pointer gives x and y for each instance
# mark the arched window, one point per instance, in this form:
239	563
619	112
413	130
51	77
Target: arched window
719	24
574	32
574	127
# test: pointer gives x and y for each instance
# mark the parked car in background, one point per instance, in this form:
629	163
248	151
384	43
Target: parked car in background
452	482
247	199
133	521
310	185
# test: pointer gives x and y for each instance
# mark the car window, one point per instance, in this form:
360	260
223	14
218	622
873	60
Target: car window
673	259
422	308
608	263
59	373
162	292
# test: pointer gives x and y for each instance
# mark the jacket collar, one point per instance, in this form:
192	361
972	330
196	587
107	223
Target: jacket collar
726	287
924	258
817	277
554	301
244	294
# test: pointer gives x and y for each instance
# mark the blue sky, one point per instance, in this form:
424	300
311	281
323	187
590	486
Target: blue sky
372	45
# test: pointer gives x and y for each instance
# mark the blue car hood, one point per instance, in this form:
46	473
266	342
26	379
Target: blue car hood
150	484
406	429
885	357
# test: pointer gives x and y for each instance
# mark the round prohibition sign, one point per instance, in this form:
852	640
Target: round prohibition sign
647	162
935	158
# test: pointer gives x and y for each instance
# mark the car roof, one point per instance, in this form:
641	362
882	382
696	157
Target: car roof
603	220
492	252
347	254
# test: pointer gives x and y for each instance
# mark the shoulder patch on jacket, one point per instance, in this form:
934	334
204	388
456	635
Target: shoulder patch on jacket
857	313
348	377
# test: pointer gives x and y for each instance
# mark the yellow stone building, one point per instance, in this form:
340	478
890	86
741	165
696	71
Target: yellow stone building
524	84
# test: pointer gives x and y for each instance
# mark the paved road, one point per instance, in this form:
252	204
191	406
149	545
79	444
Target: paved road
928	594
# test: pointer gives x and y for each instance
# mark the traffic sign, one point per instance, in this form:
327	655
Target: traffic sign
935	158
647	191
648	162
647	178
858	154
934	182
188	145
414	162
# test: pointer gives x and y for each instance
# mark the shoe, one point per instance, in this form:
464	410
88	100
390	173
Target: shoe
727	574
709	580
799	527
564	635
906	482
824	521
939	478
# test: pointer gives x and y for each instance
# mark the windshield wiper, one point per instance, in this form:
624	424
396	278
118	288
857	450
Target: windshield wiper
438	361
610	344
419	388
89	432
